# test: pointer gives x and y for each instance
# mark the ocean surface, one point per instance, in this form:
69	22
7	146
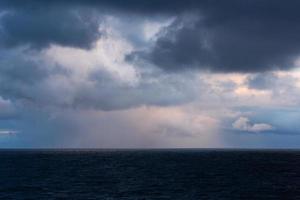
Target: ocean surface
149	174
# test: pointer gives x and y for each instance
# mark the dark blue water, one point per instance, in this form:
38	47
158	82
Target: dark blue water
151	174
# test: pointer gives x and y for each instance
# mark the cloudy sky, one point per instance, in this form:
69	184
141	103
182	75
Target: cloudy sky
149	74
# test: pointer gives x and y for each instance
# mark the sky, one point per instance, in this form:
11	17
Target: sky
149	74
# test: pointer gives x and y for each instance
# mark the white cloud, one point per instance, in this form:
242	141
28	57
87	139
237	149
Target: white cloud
108	55
152	28
8	132
244	124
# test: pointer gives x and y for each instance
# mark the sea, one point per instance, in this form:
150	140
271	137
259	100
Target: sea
157	174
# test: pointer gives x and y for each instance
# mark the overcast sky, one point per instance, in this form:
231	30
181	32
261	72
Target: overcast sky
149	74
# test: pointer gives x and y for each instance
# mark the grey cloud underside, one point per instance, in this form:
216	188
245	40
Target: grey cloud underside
152	89
107	94
22	76
283	88
26	80
262	81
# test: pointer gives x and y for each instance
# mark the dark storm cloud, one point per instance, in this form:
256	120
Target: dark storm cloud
226	36
134	6
40	25
230	36
68	23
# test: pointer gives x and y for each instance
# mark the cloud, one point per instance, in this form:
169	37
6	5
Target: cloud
7	109
40	25
283	86
231	36
101	73
8	132
23	76
262	81
243	124
99	78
